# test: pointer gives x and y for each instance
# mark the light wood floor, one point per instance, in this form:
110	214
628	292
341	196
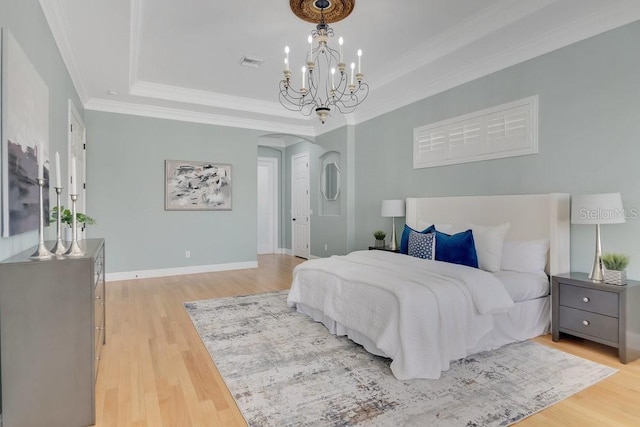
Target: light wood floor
155	371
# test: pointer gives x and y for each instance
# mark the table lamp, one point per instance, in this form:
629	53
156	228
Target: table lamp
597	209
393	208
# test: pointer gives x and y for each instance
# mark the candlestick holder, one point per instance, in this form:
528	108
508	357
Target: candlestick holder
59	248
74	250
42	252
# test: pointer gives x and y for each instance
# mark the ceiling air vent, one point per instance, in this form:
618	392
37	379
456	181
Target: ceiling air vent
248	61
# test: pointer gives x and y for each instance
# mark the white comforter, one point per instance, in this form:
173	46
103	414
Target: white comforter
422	314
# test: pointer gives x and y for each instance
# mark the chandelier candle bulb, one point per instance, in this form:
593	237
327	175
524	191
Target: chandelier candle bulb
304	75
286	58
353	67
340	42
310	40
333	73
359	58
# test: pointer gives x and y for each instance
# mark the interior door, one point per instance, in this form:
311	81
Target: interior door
300	205
78	149
267	205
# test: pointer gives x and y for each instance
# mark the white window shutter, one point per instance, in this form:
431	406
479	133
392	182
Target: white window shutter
503	131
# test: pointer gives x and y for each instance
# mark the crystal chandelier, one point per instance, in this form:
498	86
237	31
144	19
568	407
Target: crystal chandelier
326	84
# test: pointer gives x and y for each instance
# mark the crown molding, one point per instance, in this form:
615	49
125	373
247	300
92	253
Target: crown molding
201	97
195	117
596	23
135	35
58	26
480	25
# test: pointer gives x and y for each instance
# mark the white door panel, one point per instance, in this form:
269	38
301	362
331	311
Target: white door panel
300	205
267	205
78	149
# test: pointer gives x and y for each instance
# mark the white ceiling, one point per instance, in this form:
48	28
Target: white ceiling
181	59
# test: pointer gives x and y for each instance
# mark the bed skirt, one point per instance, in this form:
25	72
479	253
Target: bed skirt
523	321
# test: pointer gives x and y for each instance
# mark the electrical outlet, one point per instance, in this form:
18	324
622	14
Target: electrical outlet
187	254
326	247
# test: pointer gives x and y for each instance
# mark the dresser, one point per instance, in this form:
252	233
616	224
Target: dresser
607	314
52	329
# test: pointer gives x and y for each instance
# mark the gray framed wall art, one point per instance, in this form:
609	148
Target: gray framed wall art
197	186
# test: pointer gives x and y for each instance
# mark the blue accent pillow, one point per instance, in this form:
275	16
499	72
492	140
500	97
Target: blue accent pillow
457	249
404	240
422	245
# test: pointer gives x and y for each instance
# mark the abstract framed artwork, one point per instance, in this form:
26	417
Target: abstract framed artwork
197	186
25	139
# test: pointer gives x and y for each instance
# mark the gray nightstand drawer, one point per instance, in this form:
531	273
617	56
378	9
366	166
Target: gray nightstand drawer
593	300
595	325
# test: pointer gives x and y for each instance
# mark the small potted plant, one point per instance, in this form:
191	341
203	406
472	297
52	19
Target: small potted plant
66	218
379	236
614	268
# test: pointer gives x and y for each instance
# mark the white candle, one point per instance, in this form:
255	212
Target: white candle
73	175
304	75
58	184
333	73
340	41
353	67
40	161
286	59
359	57
310	40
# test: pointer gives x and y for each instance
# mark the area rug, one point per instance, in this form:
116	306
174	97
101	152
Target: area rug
284	369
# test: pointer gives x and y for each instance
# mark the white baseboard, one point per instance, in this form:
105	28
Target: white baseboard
285	251
179	271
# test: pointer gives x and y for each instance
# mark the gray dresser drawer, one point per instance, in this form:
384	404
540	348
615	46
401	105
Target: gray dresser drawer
595	325
593	300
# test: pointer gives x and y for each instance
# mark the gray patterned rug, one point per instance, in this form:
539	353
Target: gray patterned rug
284	369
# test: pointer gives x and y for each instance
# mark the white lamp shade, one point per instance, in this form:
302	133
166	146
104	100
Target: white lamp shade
597	209
392	208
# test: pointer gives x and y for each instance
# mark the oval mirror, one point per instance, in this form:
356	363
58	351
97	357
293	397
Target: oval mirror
331	181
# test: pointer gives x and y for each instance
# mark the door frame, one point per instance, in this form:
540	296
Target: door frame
272	164
293	158
72	115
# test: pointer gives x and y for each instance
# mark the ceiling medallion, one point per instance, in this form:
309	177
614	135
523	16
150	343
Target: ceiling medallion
333	10
325	85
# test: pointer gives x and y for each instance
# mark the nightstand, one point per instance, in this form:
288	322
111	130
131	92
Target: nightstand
386	248
607	314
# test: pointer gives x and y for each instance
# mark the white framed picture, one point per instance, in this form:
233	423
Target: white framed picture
197	186
25	140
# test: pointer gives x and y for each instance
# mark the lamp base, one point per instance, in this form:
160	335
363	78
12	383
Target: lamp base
393	244
597	271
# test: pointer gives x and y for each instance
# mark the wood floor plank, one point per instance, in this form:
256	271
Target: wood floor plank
155	370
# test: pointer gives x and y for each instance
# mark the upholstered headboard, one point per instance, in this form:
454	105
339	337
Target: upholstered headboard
532	216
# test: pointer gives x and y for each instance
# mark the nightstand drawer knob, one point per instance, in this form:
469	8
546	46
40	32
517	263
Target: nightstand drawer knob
586	299
585	322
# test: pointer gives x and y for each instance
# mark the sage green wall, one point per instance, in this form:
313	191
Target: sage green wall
25	20
125	170
332	230
589	136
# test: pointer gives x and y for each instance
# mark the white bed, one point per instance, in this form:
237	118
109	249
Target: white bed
424	314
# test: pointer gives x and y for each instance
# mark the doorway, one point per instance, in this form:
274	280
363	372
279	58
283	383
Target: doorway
77	149
300	205
268	233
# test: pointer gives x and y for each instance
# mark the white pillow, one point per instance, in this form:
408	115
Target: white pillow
489	241
525	256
